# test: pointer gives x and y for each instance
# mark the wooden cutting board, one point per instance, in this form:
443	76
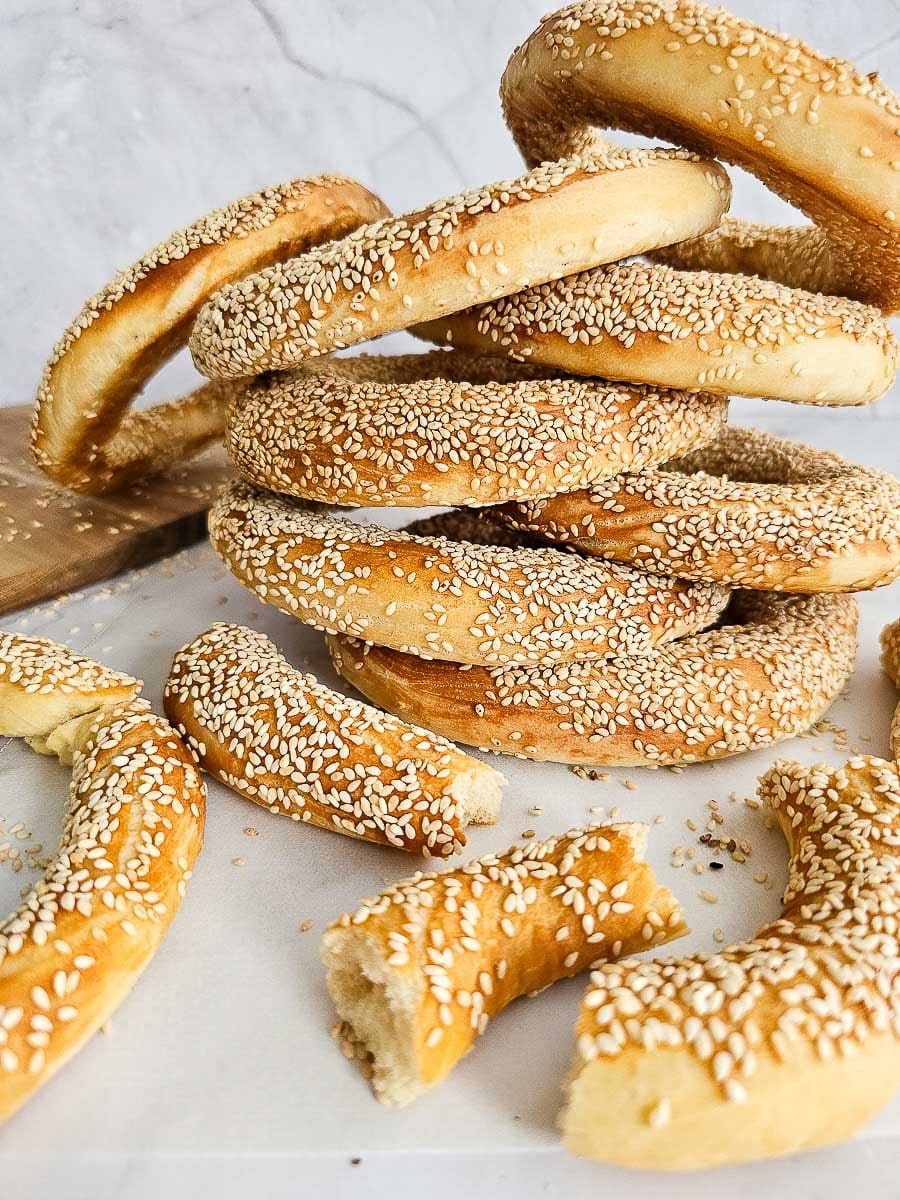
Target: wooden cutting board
52	540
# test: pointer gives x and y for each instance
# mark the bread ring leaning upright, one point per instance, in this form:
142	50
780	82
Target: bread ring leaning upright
83	435
134	826
417	972
784	1042
818	132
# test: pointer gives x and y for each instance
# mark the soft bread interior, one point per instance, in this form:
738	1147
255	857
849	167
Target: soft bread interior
476	791
66	738
378	1005
36	715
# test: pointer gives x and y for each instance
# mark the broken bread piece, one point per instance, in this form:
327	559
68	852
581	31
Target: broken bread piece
417	972
292	745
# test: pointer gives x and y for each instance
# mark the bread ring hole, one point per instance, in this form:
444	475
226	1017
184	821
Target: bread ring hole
176	377
34	791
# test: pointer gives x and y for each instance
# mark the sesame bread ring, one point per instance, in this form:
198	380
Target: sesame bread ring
890	658
688	329
815	130
782	1043
452	428
133	827
558	219
83	435
417	973
288	743
768	675
444	599
749	510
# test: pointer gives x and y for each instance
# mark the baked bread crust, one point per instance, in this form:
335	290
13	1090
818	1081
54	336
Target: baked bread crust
768	674
890	658
784	1042
134	826
458	251
694	330
452	428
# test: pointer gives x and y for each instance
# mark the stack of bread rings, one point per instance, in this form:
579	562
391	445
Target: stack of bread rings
624	579
619	577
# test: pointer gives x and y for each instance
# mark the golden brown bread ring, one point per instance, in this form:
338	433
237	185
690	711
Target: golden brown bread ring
784	1042
288	743
83	435
768	675
688	329
452	428
749	510
890	658
134	825
458	600
815	130
557	219
417	973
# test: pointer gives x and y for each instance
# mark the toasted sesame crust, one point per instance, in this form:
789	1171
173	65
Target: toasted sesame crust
288	743
83	435
814	129
557	219
721	1054
688	329
134	825
749	510
767	675
445	599
452	428
417	973
890	658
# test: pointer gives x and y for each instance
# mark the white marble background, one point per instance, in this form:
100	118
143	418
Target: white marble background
121	120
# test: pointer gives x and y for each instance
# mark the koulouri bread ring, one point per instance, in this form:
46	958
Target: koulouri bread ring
84	436
784	1042
769	673
463	600
749	510
133	828
693	330
452	428
288	743
558	219
417	973
817	131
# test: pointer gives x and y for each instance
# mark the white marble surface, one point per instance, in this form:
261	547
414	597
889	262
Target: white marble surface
118	122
